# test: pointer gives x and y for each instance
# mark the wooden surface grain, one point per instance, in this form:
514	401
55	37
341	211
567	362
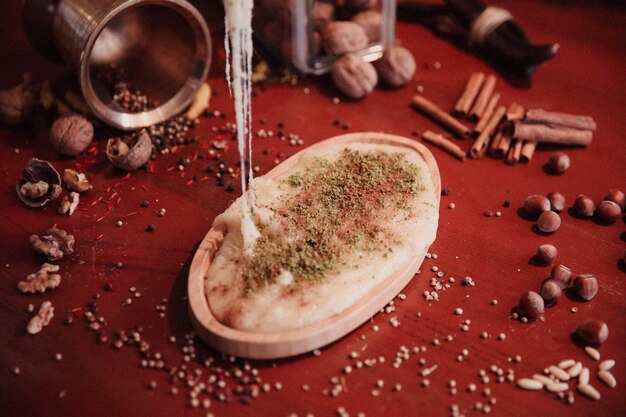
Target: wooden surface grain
587	77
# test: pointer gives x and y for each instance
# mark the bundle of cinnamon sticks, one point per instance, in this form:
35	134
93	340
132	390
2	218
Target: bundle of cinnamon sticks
509	132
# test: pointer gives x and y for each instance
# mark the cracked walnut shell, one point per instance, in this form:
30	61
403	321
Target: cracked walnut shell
130	153
40	183
353	76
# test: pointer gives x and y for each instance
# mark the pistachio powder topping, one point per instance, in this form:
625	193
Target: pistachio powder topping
334	210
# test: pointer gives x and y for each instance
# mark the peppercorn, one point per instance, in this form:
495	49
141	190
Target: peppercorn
548	222
546	253
551	292
531	305
536	204
561	274
586	286
558	162
557	201
616	196
150	228
145	203
593	331
584	206
608	211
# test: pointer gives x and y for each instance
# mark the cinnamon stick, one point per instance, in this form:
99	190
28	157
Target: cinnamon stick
433	111
484	136
559	135
515	112
491	106
463	105
503	146
561	119
495	145
483	98
528	149
514	153
445	144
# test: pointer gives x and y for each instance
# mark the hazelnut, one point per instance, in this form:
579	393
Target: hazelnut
339	38
558	162
593	331
396	67
371	22
40	183
548	222
557	201
586	286
17	103
608	211
71	134
353	76
531	305
536	204
546	253
131	152
551	292
584	206
616	196
561	274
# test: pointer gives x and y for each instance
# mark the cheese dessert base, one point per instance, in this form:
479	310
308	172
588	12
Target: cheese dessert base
221	313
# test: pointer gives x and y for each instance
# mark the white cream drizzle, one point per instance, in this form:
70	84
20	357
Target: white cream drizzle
238	45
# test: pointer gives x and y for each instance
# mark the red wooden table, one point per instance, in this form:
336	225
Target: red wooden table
97	379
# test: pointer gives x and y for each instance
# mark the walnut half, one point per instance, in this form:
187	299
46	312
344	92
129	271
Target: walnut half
54	244
41	319
41	280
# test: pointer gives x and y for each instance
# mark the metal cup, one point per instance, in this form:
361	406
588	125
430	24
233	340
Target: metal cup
162	47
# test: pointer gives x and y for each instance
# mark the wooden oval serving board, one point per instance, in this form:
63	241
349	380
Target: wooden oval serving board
288	343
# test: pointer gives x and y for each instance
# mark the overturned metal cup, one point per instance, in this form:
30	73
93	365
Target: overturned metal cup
162	47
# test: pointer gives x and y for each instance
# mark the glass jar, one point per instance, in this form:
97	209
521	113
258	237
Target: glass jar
293	30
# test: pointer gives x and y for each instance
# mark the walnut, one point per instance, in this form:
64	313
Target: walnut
40	183
41	319
359	5
342	37
130	152
371	22
17	103
34	190
41	280
76	181
323	12
55	244
353	76
69	204
71	134
396	67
